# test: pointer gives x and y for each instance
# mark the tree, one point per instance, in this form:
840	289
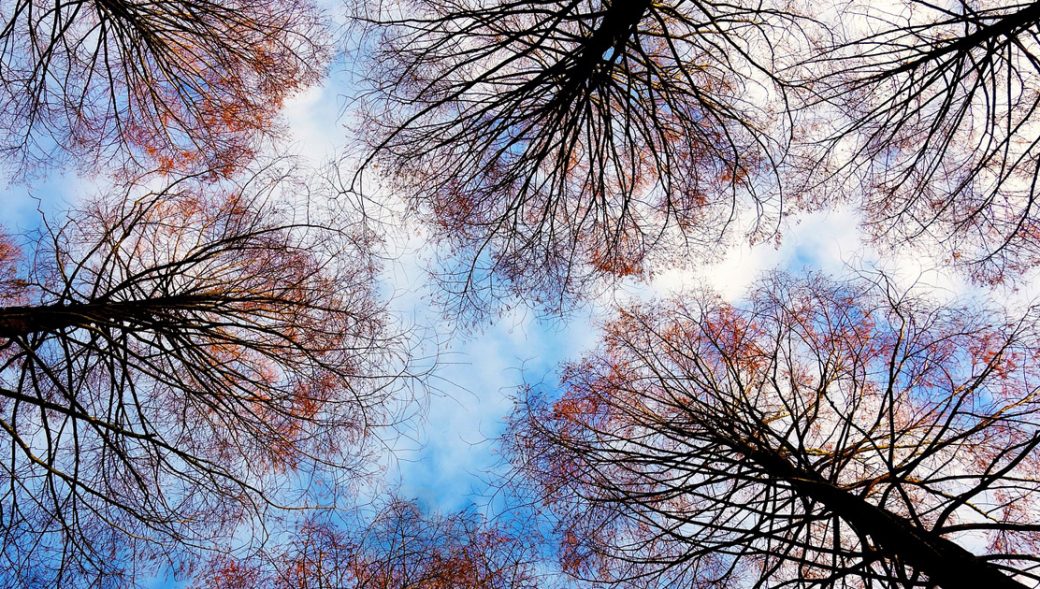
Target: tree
401	549
938	102
173	363
820	435
185	85
553	141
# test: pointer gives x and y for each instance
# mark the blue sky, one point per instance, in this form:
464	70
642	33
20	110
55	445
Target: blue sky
446	456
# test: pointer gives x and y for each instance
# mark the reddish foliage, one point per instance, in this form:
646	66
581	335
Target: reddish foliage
401	548
692	447
180	351
558	143
173	85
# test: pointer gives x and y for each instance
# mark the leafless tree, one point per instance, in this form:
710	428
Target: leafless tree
174	363
403	548
181	84
819	435
557	140
939	130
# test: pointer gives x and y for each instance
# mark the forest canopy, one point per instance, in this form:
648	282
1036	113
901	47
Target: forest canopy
282	285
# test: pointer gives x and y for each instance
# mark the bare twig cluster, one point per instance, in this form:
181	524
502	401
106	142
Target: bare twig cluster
822	435
401	548
171	83
543	138
165	355
939	106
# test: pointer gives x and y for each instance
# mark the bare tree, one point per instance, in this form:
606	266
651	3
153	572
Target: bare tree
552	141
181	84
939	131
403	548
173	363
820	435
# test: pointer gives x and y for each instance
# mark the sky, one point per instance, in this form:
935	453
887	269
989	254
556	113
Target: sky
446	456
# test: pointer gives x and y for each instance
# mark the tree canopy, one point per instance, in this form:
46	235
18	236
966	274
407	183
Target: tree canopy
208	372
164	355
173	84
820	435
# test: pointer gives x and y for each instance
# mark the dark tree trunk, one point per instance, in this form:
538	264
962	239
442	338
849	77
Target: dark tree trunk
945	563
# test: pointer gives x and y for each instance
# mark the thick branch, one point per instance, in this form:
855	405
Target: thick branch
1008	26
24	320
946	563
619	20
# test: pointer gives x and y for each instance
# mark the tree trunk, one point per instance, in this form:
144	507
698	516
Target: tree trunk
23	320
944	562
